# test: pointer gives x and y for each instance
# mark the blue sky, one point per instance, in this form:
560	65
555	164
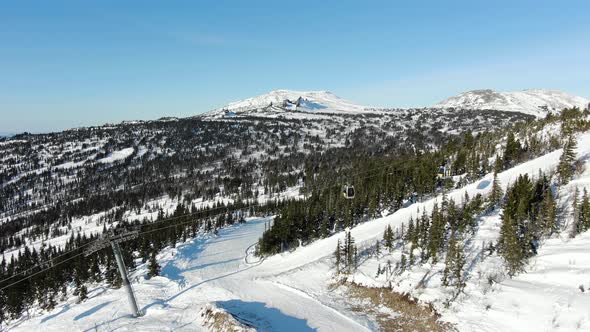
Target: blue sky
71	63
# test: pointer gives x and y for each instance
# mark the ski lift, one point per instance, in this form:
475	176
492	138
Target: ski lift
413	197
348	191
443	172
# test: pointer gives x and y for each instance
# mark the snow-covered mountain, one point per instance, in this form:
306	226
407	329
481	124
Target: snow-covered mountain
536	102
281	100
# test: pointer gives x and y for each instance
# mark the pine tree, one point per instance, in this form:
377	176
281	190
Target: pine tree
548	213
458	265
449	260
82	293
496	193
584	213
510	246
350	252
338	256
153	266
388	237
410	234
403	263
575	214
355	260
565	169
436	234
377	248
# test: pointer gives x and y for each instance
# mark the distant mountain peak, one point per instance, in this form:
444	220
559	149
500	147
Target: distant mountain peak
537	102
289	100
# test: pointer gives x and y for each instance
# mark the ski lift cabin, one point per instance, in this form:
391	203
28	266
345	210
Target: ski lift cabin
443	172
348	191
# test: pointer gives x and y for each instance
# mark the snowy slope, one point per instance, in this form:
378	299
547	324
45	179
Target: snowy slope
535	101
310	101
207	270
290	291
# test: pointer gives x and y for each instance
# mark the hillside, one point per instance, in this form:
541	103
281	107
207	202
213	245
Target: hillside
294	291
537	102
185	183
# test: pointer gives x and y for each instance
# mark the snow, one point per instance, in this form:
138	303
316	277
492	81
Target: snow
535	102
311	101
209	269
290	291
117	155
526	101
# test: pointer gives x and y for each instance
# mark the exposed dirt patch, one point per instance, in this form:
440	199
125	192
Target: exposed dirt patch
219	320
396	312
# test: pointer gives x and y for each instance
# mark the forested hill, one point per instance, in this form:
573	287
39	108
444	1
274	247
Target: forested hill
386	184
60	191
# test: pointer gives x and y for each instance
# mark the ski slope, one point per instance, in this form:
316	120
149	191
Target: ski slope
209	269
291	291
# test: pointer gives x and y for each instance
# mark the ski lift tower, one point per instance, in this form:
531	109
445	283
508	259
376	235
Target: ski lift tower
112	240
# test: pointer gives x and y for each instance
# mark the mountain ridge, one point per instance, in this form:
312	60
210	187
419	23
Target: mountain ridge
537	102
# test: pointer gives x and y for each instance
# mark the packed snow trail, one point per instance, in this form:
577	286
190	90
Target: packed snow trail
210	269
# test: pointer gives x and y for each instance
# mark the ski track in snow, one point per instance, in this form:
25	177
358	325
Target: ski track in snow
204	270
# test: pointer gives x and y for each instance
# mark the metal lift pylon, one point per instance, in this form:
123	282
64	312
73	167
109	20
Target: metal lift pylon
113	241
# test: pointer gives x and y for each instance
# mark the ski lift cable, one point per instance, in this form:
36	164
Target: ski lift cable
166	227
46	262
147	232
41	271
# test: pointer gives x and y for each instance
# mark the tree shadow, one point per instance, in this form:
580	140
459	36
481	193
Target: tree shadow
92	310
483	184
164	302
64	309
263	318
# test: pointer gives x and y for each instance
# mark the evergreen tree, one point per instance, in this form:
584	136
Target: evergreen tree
565	169
377	248
388	237
403	263
510	246
350	252
512	151
82	293
153	266
548	213
584	213
449	261
458	265
575	214
338	256
436	234
496	194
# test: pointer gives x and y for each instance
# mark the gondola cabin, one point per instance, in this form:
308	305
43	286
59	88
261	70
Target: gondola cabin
443	172
348	192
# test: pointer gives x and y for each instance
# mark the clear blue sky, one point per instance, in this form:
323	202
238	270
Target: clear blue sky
71	63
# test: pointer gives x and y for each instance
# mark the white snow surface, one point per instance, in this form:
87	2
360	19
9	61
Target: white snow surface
312	101
531	101
289	291
537	102
117	155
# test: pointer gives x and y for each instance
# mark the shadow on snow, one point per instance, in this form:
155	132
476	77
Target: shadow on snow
262	317
92	310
